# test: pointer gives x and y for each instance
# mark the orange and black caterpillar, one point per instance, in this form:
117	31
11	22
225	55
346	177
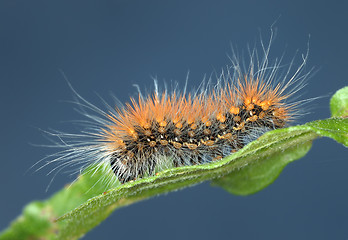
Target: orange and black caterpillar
192	129
173	128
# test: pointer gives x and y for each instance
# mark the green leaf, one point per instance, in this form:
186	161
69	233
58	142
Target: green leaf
335	128
39	217
287	145
264	170
85	204
283	145
339	103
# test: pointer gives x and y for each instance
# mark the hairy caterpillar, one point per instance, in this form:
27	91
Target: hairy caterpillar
173	128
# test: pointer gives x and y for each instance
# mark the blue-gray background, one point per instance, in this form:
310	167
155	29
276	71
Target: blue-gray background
105	46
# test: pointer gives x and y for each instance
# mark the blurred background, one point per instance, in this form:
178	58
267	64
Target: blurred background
106	46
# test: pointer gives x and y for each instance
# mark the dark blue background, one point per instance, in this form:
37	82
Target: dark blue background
105	46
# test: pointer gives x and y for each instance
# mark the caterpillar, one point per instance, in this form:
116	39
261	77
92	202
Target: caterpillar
172	127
